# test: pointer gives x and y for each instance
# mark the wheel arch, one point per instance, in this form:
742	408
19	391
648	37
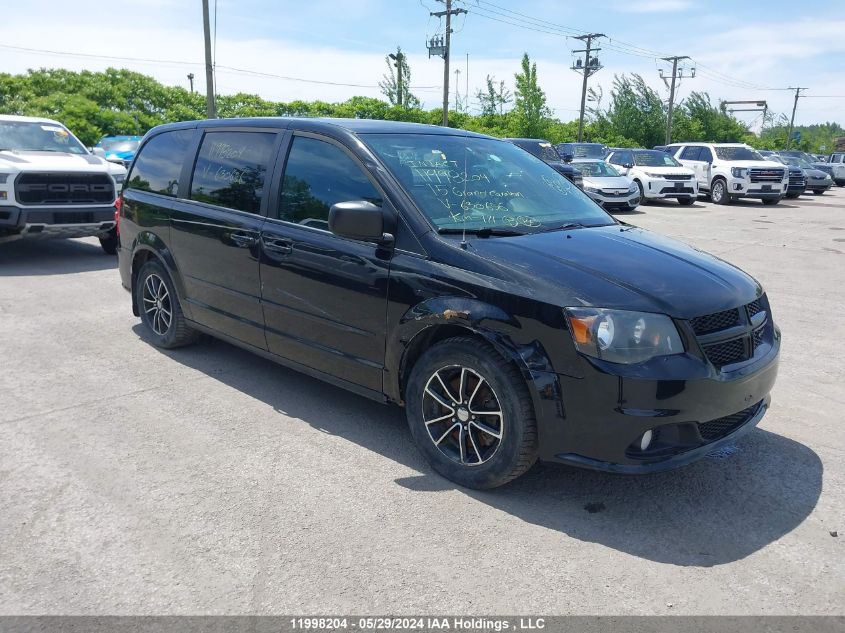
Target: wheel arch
149	246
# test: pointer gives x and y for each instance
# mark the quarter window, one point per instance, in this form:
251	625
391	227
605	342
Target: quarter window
318	175
231	168
159	164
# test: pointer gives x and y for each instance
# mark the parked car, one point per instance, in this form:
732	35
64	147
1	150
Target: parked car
837	166
816	180
451	273
581	150
729	171
836	173
118	149
656	174
797	177
606	186
51	186
547	153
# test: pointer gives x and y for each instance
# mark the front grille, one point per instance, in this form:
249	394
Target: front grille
733	336
797	179
677	176
677	190
715	322
614	194
766	175
727	352
719	428
56	188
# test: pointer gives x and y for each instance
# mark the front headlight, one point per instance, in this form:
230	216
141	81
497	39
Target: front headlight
119	178
739	172
3	178
621	336
592	189
633	188
653	175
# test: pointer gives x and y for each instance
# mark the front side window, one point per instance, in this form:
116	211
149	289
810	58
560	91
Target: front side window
159	165
28	136
737	153
231	168
654	158
319	174
462	182
691	153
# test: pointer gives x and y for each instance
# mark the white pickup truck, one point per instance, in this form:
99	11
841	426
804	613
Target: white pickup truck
837	167
52	186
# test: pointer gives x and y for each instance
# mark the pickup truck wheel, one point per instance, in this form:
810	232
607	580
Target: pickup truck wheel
160	310
686	201
109	243
719	192
470	414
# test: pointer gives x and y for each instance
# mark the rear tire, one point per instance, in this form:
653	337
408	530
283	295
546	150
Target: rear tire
719	192
159	307
109	242
451	396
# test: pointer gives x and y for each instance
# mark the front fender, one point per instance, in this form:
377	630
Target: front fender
151	243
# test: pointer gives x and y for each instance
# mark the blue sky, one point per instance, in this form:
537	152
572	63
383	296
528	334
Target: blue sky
739	48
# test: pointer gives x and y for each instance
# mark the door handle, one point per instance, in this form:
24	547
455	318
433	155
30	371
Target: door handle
242	240
277	247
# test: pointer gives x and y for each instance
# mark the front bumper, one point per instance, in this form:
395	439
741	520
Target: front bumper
56	222
690	409
662	189
744	188
819	185
627	201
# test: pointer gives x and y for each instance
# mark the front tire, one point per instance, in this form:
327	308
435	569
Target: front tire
470	414
770	201
686	202
159	307
719	192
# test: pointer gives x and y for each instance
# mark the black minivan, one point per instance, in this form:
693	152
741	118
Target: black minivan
451	273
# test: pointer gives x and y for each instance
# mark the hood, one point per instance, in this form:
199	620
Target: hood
607	182
619	267
665	169
816	173
753	164
19	161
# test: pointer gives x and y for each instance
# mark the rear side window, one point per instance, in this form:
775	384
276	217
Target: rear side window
158	166
231	168
318	175
690	153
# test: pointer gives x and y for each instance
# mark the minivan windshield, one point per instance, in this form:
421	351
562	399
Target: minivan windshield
737	153
476	183
29	136
654	158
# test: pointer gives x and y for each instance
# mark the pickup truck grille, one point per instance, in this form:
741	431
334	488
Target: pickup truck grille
64	189
744	332
766	175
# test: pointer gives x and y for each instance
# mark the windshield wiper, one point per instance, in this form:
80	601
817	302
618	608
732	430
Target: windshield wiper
485	231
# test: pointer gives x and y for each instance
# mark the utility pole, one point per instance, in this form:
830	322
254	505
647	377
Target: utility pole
588	67
437	47
792	120
675	76
191	79
210	106
398	57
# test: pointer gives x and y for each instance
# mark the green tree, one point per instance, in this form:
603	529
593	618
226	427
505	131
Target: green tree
398	73
530	108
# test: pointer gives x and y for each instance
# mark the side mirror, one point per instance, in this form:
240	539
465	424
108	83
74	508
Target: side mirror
98	151
358	220
568	158
628	165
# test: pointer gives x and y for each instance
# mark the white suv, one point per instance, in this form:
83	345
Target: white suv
728	171
656	174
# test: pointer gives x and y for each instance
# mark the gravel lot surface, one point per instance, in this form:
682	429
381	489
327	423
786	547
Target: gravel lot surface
208	480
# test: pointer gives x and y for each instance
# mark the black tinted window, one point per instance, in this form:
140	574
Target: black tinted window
231	168
691	153
158	166
318	175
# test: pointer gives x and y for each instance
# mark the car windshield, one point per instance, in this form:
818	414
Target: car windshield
798	162
119	145
654	158
586	150
27	136
472	183
737	153
596	169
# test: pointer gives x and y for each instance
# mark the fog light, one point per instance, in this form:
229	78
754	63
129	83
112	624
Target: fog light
645	440
2	195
